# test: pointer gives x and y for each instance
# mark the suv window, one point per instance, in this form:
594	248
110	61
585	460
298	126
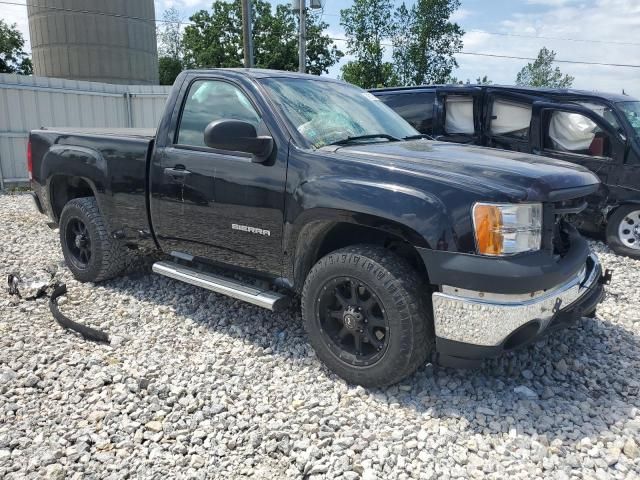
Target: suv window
604	111
510	119
459	115
415	108
209	100
575	133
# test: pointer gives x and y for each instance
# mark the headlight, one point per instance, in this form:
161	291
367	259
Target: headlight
503	229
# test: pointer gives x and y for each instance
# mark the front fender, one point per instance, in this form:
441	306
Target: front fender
316	206
419	217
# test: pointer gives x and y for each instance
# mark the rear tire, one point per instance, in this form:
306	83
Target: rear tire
623	231
369	293
89	251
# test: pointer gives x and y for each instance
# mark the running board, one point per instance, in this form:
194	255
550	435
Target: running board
247	293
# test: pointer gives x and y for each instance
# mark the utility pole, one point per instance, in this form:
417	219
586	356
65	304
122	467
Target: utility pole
246	34
302	40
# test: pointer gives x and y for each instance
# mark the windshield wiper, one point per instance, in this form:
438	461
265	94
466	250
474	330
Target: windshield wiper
418	136
372	136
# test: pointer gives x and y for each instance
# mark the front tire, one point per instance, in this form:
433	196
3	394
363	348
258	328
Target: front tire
623	231
90	253
365	312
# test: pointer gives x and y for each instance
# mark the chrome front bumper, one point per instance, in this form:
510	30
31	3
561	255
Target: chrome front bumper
487	319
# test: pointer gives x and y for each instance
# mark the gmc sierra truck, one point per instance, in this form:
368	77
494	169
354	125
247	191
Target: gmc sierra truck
402	250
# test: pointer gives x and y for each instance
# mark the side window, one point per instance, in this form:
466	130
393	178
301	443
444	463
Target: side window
209	100
459	115
415	108
575	133
510	119
604	111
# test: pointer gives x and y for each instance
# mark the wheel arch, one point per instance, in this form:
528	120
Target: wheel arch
73	172
330	230
621	204
64	188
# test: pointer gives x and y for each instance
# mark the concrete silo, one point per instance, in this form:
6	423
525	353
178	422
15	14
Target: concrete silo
111	41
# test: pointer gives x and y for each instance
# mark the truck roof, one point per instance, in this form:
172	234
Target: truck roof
612	97
266	73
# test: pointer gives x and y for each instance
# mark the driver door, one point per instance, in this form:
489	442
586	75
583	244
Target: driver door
218	205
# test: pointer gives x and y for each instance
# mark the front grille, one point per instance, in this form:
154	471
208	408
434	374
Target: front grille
561	239
558	219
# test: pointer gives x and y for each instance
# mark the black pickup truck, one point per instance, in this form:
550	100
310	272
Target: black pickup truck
600	131
402	250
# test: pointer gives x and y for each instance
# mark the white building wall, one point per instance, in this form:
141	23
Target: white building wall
27	103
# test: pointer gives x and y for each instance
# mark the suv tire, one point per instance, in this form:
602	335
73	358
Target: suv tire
367	316
89	251
623	231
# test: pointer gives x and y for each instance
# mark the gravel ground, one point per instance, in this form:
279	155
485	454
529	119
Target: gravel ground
197	385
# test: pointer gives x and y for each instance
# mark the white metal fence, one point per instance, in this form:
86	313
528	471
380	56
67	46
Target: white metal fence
27	103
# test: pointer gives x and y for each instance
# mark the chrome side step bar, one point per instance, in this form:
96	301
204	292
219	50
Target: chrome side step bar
247	293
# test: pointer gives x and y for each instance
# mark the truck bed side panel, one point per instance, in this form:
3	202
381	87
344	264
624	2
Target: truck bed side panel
113	165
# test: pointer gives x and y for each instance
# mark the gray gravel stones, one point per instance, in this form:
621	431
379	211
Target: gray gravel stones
201	386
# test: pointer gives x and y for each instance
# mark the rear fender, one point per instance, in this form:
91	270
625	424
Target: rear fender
80	162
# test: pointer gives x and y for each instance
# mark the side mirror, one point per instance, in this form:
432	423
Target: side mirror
238	136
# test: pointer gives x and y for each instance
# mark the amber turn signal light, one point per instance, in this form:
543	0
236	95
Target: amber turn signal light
487	220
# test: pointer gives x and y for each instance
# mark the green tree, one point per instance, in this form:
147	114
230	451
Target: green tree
425	41
541	73
215	38
402	40
322	53
366	24
169	34
168	69
13	59
483	81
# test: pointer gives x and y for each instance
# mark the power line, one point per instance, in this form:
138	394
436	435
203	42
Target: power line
574	62
323	13
578	62
566	39
92	12
544	37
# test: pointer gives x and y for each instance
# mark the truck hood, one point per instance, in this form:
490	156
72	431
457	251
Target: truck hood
520	176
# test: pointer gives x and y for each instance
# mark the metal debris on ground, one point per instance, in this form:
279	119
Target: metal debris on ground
37	285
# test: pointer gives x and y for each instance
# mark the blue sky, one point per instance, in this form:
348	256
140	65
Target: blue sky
609	22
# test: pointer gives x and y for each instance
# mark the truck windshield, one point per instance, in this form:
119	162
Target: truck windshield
631	110
331	112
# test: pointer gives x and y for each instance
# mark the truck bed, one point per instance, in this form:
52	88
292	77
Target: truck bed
112	160
149	133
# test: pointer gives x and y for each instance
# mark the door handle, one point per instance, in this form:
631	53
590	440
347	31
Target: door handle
177	172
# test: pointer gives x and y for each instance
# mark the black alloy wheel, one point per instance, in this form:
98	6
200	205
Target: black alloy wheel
367	314
91	253
79	242
353	321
